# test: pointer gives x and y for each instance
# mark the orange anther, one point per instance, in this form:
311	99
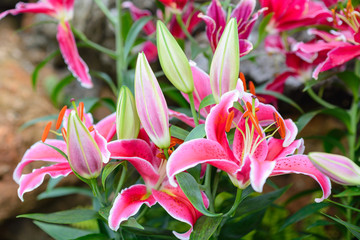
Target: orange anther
229	121
91	128
46	131
64	133
174	141
255	123
242	77
252	88
60	117
280	124
81	111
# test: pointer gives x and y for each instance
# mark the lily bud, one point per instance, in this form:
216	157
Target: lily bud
173	60
150	103
224	69
127	119
84	154
338	168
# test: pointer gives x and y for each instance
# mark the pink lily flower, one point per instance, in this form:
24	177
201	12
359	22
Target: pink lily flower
101	133
175	4
189	17
290	14
215	20
148	161
339	46
253	156
62	10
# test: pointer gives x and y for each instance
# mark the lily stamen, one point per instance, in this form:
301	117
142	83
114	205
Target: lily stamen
60	117
46	131
64	133
280	124
81	111
252	88
91	128
242	77
229	121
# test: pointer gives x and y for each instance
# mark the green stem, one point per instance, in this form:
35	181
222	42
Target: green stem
237	201
142	213
119	46
192	106
95	188
122	179
93	45
106	11
184	29
317	99
166	153
208	187
215	184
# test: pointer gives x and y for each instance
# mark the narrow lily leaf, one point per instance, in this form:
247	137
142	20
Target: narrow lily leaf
106	78
304	119
281	97
319	223
207	101
262	29
131	222
257	203
59	86
303	213
53	182
108	169
94	236
172	93
351	80
90	103
64	191
37	120
205	227
109	103
221	198
357	68
63	217
104	212
342	205
134	31
355	230
191	189
310	84
197	132
178	132
195	172
35	73
350	192
61	232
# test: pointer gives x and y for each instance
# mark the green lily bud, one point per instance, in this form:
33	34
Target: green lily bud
127	119
173	60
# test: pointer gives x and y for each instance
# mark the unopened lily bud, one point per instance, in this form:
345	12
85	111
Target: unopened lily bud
84	154
173	61
150	104
338	168
224	69
127	119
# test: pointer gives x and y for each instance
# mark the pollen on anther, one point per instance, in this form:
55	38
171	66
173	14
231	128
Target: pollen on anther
46	131
64	133
91	128
242	77
252	88
81	111
280	124
60	117
229	121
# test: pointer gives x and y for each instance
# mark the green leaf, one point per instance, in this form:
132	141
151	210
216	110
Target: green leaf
221	198
178	132
197	132
262	29
195	172
134	31
64	191
304	119
94	236
104	212
90	103
37	69
63	217
309	84
191	189
260	202
351	80
59	86
345	206
207	101
131	222
109	103
350	192
109	168
355	230
281	97
205	227
61	232
303	213
319	223
107	79
37	120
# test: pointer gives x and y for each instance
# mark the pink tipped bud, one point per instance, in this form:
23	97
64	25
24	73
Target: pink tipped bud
150	103
338	168
84	154
224	70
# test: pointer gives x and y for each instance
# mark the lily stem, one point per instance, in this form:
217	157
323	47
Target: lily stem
237	201
208	187
122	179
193	111
184	29
319	100
95	188
106	11
119	46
